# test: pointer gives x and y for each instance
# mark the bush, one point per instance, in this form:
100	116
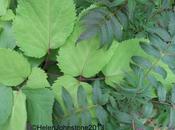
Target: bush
94	64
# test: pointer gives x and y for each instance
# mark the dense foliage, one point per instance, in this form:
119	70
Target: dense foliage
87	62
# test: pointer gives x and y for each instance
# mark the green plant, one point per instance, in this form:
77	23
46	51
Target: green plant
109	63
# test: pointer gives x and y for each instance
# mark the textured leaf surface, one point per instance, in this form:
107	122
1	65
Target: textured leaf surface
3	6
7	39
37	79
39	106
85	58
18	117
119	63
6	103
14	67
70	84
46	24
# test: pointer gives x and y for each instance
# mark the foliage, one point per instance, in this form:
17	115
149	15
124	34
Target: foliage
109	63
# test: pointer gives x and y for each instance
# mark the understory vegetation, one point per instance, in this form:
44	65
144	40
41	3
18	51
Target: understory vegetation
107	63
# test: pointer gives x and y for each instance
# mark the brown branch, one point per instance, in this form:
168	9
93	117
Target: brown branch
90	79
47	60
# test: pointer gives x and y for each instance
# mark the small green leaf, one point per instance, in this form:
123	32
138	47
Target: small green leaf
161	91
151	50
171	26
14	67
131	8
142	62
82	97
86	118
162	33
172	119
160	70
37	79
173	96
148	110
7	39
67	99
123	117
101	115
6	103
97	94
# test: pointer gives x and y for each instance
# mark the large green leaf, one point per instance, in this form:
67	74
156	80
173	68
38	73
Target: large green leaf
39	106
85	58
37	79
18	117
43	25
3	6
14	67
119	64
7	39
70	84
6	103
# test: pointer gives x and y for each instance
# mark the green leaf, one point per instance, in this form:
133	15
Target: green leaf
162	33
8	16
124	117
46	25
6	103
102	22
115	70
148	110
18	117
172	119
131	8
161	92
86	118
14	67
97	93
171	26
160	70
37	79
173	96
119	63
7	39
67	99
39	106
3	6
151	50
141	61
101	115
85	58
82	97
71	84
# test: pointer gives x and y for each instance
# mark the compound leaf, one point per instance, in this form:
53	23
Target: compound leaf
85	58
71	84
